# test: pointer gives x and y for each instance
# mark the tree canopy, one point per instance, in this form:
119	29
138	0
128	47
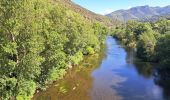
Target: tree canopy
38	41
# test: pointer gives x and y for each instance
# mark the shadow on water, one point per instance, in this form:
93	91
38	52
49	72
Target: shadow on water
162	79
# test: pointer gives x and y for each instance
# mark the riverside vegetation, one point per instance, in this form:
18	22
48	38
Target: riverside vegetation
38	41
150	39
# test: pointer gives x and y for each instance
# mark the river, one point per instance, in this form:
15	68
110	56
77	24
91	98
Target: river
114	75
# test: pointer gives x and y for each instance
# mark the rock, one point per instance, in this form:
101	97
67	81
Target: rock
74	88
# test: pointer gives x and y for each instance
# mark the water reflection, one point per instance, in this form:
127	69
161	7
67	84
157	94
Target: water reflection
122	76
160	76
162	79
144	69
107	77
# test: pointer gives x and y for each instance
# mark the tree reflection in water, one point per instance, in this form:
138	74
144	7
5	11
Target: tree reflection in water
162	79
161	76
144	69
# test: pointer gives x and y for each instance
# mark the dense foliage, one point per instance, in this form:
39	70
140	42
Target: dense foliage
38	41
163	49
151	40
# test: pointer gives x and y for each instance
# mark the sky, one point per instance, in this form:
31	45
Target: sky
107	6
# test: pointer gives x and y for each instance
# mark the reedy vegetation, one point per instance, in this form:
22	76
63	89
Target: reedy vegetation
38	40
151	40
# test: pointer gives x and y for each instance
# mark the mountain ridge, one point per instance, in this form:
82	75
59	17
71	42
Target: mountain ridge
141	13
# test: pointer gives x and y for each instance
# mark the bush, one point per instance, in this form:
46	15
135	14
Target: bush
7	87
26	90
90	50
76	58
55	74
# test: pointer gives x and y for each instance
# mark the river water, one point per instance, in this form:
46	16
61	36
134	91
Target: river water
114	75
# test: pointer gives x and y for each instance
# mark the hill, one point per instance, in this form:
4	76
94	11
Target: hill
91	16
141	13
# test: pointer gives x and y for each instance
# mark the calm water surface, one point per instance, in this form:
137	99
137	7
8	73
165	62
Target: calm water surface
115	76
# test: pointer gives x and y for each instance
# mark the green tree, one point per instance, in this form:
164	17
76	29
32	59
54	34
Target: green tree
163	26
21	42
38	40
163	50
146	46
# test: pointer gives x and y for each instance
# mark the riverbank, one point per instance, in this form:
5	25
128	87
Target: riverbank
75	84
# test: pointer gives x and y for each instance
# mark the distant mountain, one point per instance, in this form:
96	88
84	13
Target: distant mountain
141	13
91	16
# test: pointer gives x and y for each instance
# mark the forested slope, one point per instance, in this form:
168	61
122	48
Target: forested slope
39	41
91	16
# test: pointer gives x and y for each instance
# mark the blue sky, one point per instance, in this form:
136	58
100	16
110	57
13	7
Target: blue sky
107	6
